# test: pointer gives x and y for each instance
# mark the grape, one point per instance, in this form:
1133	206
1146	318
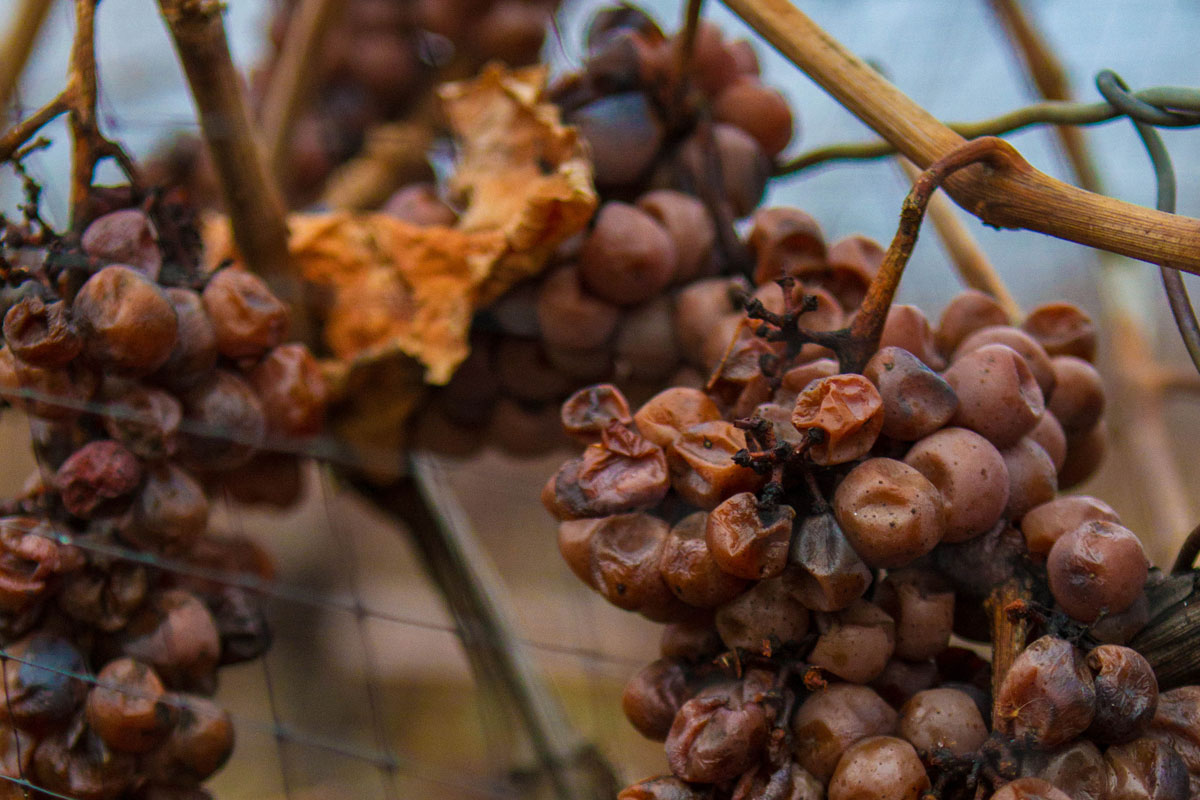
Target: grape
1032	479
716	735
1077	769
847	412
645	345
126	322
690	569
1035	357
916	400
743	164
1045	524
247	319
879	768
41	334
1097	567
760	111
825	572
690	227
1085	451
997	394
967	313
1049	434
855	643
1126	693
971	476
1062	329
1047	697
1029	789
922	605
124	237
907	328
1145	768
767	613
628	257
749	540
588	412
702	467
938	719
1078	398
664	417
834	718
125	708
890	513
653	697
783	239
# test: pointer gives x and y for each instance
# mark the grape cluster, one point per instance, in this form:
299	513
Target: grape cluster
813	538
630	301
380	61
149	386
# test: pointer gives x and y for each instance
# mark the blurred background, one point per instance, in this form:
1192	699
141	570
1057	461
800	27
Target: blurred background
951	57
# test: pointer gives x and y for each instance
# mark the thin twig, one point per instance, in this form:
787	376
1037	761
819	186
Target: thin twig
27	128
470	586
865	331
18	44
969	259
293	77
252	199
687	38
1017	196
1053	112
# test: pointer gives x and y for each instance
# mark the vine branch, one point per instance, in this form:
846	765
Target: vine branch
18	44
1015	196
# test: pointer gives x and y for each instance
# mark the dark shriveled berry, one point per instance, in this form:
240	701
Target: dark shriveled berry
1030	789
653	696
664	787
1145	768
623	472
689	568
716	736
41	334
125	707
1047	698
1126	693
199	744
96	476
293	390
846	410
76	762
824	571
589	411
703	471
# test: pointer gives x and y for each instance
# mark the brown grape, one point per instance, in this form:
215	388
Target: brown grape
997	394
628	257
890	512
126	321
247	318
834	718
1021	342
971	476
965	314
768	611
690	570
653	696
1097	567
879	768
1047	698
748	540
942	719
1062	329
1032	479
1126	693
571	317
846	410
916	400
1078	398
1045	524
855	643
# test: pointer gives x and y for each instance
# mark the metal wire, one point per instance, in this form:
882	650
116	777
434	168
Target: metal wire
1117	93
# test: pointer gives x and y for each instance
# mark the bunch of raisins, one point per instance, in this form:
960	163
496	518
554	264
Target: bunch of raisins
149	385
813	538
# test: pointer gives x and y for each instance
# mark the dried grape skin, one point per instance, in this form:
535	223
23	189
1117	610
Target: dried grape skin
1126	694
702	467
1097	567
690	570
247	318
848	412
998	396
1076	768
662	418
125	320
1047	697
748	541
1146	768
716	736
890	512
609	478
916	400
589	411
624	553
971	476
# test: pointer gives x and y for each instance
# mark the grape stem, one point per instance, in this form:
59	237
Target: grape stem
1009	631
22	34
256	210
969	259
1013	196
860	341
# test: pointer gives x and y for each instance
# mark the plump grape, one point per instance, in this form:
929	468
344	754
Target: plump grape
759	110
760	619
1045	524
998	396
971	476
942	719
854	644
653	696
628	257
1050	435
882	767
1062	329
1078	398
916	400
126	321
1097	567
890	512
965	314
834	718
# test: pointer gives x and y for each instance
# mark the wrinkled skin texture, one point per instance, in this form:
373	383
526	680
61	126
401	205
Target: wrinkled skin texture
848	412
1047	698
716	736
1126	693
